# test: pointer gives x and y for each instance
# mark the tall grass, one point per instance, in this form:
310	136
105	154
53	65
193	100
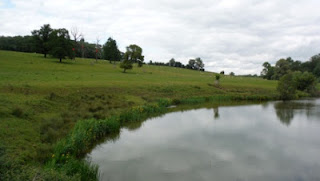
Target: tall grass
86	133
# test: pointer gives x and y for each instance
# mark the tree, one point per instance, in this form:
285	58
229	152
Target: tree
232	74
267	71
111	51
126	64
76	36
217	79
60	44
172	62
287	87
97	52
134	54
191	63
198	64
282	68
42	38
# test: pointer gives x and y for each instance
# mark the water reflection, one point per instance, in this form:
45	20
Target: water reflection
286	110
248	143
216	112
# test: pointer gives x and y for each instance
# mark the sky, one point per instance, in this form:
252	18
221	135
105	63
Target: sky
231	35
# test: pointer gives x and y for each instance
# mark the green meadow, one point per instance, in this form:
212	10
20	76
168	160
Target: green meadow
41	101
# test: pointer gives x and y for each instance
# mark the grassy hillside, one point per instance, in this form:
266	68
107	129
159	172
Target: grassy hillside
42	99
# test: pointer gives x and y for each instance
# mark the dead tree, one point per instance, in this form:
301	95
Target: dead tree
76	36
97	48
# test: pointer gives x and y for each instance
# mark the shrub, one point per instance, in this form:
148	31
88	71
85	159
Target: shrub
18	112
287	87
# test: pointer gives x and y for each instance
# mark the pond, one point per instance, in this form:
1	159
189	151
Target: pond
269	141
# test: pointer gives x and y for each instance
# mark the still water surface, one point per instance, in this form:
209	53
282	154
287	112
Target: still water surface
270	141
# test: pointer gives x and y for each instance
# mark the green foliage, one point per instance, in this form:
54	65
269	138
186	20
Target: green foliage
268	71
172	62
111	51
305	81
126	64
217	77
134	55
287	87
42	39
282	68
199	63
17	43
60	44
232	74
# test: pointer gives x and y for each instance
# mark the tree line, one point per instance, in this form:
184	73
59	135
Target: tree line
194	64
295	77
60	44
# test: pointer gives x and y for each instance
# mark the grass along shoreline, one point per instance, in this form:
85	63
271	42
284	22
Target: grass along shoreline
87	133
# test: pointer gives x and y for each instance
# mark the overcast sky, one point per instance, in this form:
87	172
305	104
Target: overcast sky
229	35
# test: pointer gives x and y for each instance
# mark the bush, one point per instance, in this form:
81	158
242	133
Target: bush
287	87
305	81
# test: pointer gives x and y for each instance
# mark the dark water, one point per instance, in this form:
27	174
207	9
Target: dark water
273	141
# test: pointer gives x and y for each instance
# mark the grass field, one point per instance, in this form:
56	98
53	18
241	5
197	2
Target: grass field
42	99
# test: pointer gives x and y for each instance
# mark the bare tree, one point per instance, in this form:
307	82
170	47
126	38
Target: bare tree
97	47
76	36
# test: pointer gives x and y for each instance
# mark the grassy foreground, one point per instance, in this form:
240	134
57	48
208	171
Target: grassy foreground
46	105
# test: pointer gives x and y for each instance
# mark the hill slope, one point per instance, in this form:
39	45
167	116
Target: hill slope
41	99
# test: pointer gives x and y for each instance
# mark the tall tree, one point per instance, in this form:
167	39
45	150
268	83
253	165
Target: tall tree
60	44
111	51
42	38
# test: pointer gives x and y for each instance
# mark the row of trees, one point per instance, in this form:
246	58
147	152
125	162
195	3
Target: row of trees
284	66
294	76
194	64
60	44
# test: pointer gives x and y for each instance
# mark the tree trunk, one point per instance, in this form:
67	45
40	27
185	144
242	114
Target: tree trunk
60	60
124	70
45	55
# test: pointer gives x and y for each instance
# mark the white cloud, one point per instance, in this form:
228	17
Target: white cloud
228	35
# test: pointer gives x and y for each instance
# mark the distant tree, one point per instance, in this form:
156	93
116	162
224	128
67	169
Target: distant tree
172	62
267	71
17	43
178	64
217	79
42	38
282	68
199	64
192	64
134	54
82	46
111	51
232	74
76	36
98	48
222	72
60	44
